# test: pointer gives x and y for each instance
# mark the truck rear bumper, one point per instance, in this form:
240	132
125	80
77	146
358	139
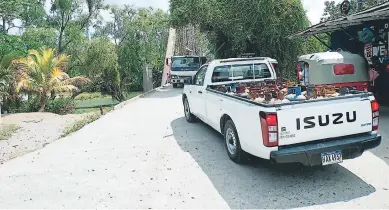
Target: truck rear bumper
180	81
177	81
310	154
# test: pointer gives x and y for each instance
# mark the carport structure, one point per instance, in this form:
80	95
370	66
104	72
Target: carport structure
363	18
365	33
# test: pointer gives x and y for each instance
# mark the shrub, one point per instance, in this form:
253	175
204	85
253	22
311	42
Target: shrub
32	105
157	78
61	106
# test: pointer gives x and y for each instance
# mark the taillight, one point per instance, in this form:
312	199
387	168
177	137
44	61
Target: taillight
298	70
269	127
375	110
343	69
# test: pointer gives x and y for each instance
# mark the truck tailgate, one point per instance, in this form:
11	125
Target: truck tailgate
322	121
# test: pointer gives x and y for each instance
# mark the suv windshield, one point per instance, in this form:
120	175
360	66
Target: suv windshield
186	62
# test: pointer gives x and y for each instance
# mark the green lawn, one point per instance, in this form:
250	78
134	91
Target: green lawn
88	110
90	105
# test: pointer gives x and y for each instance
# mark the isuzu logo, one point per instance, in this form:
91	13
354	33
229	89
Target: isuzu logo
335	119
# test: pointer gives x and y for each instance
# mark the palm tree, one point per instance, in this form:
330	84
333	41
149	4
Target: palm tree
6	79
5	76
42	73
5	73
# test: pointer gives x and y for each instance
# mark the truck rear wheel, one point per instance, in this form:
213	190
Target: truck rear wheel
231	138
188	115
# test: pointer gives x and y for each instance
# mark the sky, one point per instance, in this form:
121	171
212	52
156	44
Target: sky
314	8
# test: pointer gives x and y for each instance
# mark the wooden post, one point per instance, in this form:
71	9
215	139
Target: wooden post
101	110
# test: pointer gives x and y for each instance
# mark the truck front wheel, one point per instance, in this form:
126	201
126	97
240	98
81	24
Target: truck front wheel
231	138
175	85
188	115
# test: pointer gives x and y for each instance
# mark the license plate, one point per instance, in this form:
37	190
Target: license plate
331	157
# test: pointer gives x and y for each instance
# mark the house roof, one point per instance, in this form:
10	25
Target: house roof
379	12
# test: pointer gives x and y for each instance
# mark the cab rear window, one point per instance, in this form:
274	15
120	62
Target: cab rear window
343	69
240	72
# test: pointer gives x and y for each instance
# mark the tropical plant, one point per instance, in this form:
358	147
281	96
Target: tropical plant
5	75
42	73
7	94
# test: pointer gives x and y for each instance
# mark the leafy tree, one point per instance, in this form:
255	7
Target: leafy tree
35	38
236	27
77	46
11	44
65	13
43	73
30	12
33	13
140	36
10	10
101	66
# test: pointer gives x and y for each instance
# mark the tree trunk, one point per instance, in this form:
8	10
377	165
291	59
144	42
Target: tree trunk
43	102
5	100
52	95
4	27
60	41
42	109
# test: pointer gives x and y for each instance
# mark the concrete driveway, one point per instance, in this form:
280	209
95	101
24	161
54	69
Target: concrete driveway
146	155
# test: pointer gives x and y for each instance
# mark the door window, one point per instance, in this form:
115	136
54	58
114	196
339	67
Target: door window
200	75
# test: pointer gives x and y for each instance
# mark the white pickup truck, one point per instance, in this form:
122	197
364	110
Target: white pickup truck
313	132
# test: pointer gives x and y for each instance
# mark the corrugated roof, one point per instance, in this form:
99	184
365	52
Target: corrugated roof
379	12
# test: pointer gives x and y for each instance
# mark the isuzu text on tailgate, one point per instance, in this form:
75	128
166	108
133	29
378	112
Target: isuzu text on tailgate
311	122
282	122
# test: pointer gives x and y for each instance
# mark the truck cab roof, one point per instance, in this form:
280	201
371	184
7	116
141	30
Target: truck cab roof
185	56
242	60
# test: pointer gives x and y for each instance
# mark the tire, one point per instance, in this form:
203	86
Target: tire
175	85
188	115
231	139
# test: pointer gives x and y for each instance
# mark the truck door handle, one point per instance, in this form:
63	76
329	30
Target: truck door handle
201	92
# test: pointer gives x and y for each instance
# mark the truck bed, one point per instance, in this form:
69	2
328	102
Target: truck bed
354	94
310	120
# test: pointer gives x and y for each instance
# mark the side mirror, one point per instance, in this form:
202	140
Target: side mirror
203	60
192	80
167	61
